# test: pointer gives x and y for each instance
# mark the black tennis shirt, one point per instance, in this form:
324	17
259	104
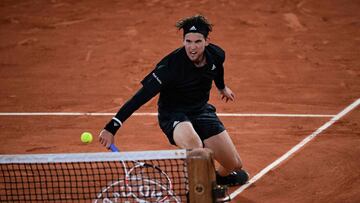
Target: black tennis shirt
183	87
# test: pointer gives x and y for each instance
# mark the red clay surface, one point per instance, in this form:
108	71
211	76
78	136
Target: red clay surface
282	57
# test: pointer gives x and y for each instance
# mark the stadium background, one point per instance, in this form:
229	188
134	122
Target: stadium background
298	57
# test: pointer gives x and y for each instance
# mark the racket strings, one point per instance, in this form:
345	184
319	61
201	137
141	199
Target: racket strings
149	182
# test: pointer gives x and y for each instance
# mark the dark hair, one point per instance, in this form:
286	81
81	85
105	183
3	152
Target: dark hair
201	22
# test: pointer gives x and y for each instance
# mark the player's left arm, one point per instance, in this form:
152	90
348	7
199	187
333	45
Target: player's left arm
219	56
225	92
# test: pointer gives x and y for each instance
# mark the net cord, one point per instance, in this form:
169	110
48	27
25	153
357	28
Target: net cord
93	157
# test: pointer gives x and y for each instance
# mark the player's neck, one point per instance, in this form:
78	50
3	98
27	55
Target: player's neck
201	62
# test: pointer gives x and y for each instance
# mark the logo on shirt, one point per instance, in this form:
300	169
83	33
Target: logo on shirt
213	67
157	78
192	28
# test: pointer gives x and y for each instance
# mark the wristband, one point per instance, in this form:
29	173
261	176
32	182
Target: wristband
113	126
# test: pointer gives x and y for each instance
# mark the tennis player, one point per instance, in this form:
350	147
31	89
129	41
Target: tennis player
184	79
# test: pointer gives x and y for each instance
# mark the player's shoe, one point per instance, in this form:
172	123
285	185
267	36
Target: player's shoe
239	177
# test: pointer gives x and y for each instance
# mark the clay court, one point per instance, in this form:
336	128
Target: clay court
293	64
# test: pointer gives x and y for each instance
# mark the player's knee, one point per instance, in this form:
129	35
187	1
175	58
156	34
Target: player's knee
193	143
188	141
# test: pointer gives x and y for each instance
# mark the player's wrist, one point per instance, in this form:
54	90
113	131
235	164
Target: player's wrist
221	87
221	90
113	125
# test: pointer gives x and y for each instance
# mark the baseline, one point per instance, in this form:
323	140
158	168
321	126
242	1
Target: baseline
155	114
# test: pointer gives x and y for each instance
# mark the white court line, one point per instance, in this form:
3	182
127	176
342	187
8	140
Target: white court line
155	114
295	148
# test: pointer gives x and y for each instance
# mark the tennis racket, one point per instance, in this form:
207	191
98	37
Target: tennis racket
146	182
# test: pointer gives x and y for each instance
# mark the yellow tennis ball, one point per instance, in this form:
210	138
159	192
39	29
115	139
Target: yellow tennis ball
86	137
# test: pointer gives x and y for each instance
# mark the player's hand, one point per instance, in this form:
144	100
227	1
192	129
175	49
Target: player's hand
106	138
227	94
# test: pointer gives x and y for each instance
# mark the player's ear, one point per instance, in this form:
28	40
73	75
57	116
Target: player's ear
183	41
207	41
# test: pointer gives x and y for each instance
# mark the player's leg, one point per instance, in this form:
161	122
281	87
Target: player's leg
212	132
224	152
186	137
230	171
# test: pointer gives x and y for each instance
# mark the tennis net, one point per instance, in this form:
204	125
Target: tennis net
148	176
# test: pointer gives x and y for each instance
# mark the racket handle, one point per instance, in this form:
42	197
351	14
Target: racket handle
113	148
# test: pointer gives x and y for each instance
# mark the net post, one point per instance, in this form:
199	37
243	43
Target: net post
201	172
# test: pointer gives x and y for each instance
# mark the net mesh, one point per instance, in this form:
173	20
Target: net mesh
114	179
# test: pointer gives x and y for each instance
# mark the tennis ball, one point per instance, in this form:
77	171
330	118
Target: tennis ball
86	137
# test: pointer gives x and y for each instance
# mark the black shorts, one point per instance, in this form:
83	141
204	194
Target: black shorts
205	122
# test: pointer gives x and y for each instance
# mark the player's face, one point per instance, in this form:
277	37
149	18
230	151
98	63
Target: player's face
195	44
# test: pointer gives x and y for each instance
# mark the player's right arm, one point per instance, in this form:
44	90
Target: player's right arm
152	85
143	95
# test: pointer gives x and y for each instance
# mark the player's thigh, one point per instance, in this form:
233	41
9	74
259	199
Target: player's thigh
224	150
186	137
